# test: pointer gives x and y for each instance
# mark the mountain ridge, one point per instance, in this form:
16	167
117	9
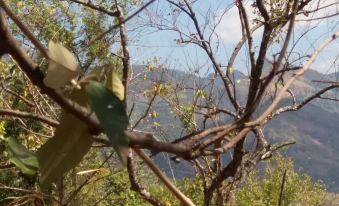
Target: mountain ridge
315	127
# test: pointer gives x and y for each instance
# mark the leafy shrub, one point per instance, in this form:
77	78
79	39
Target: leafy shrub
298	189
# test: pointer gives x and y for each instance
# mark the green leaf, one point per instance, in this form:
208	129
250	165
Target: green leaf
65	150
114	84
23	158
62	66
111	113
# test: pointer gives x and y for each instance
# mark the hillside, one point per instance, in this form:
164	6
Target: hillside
315	128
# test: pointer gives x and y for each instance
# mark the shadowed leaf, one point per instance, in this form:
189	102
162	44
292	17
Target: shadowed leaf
65	150
23	158
111	113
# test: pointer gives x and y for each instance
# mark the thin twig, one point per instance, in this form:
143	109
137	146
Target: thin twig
282	188
29	103
75	192
27	115
98	8
291	81
326	81
183	199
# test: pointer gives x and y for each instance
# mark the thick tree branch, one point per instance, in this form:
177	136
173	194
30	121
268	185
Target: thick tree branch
256	72
262	10
241	135
126	59
137	139
229	171
283	50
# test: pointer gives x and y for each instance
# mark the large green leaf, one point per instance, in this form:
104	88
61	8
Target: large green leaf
111	113
23	158
65	150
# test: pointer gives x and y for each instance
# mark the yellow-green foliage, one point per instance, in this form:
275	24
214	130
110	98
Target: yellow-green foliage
298	189
113	188
192	187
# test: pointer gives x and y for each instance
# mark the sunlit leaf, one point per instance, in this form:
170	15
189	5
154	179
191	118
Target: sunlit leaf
62	66
23	158
153	114
231	70
150	67
201	93
20	4
111	113
156	124
114	83
65	150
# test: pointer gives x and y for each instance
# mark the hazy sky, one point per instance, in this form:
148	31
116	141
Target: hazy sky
148	43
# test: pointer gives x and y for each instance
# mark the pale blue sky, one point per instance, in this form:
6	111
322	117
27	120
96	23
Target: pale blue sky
148	43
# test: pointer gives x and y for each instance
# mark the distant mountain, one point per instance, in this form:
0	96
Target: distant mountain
316	132
333	76
315	127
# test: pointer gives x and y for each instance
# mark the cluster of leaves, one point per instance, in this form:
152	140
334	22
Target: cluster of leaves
187	117
18	94
51	19
72	138
73	26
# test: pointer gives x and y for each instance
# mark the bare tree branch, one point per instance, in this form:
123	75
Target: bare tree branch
301	104
263	10
95	7
27	115
290	82
282	188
